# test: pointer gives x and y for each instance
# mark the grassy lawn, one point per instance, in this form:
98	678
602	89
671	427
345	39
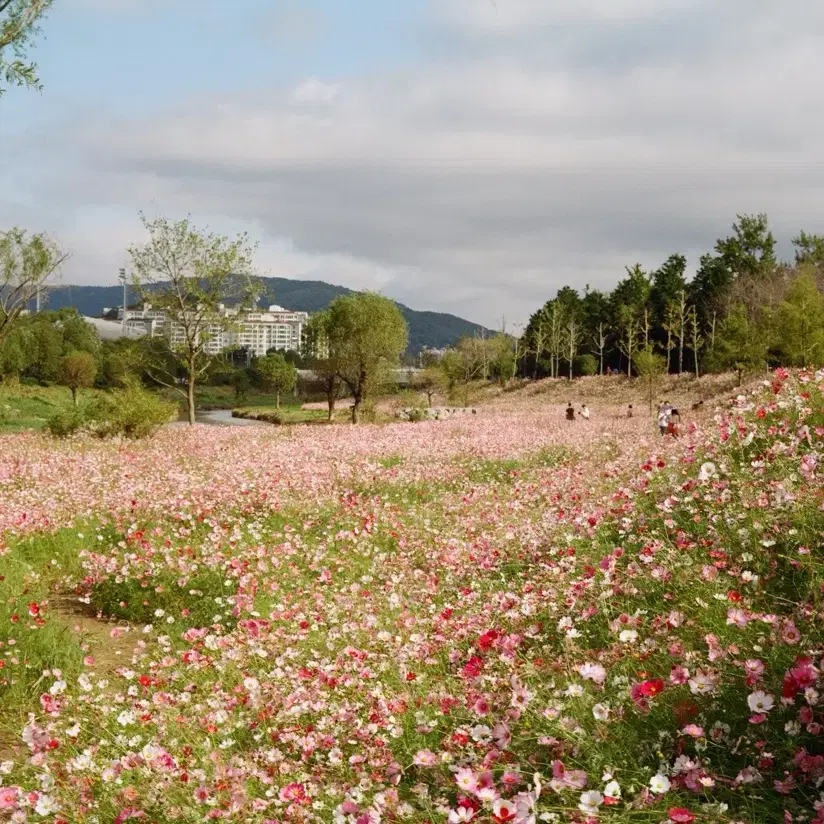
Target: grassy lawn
224	397
286	414
28	407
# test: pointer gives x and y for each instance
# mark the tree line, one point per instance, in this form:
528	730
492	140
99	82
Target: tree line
743	310
189	273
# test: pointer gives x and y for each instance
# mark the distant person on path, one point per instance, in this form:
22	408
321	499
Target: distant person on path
663	419
570	412
629	411
584	413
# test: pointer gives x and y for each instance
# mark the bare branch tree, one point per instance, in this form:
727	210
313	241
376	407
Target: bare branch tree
27	264
188	274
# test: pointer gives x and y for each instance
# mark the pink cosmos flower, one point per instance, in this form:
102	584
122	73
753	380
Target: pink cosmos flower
8	797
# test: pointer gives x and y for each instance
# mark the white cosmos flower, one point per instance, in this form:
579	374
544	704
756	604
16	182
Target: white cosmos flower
612	790
600	712
659	784
590	801
628	636
760	701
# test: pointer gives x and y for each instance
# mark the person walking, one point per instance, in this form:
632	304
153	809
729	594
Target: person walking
663	419
629	411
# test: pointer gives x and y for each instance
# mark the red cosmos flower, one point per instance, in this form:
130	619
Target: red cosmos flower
652	687
144	681
732	595
488	639
473	667
680	815
411	676
34	609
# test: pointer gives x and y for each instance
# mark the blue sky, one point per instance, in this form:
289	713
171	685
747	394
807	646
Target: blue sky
133	56
463	155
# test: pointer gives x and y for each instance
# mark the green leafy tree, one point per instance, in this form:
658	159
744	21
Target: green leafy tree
502	357
800	322
630	300
586	365
77	333
430	380
77	371
750	249
668	282
809	249
189	273
321	359
277	374
650	368
366	333
740	345
19	23
27	265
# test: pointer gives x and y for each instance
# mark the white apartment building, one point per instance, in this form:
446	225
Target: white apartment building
256	330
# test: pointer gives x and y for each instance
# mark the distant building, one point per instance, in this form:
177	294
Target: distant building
256	330
430	355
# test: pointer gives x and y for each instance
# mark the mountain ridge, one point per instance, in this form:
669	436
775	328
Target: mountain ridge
427	328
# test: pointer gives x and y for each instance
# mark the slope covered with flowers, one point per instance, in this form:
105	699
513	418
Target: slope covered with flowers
506	620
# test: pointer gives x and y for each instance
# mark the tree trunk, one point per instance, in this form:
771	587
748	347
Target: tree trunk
570	368
74	395
277	399
190	397
681	354
356	406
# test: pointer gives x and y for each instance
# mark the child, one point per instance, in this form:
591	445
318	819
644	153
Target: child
584	413
570	412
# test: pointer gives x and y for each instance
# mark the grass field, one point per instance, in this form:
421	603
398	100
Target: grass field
512	618
29	407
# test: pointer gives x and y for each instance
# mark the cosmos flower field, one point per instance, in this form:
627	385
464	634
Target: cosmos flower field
508	619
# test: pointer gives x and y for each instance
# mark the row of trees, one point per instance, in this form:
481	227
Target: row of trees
744	309
188	273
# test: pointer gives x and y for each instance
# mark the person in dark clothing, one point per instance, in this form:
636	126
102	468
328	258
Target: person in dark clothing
570	412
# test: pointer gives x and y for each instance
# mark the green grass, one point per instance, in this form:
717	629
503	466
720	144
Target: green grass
286	414
224	397
31	574
28	407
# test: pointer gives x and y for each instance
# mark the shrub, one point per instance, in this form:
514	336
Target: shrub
66	422
586	365
132	412
369	412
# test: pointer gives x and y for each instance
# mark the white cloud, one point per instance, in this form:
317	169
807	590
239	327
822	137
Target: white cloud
553	146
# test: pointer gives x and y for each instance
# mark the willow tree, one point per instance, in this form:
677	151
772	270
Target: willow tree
19	23
189	274
366	333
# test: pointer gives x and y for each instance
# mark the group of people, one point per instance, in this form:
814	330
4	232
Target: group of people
668	419
668	416
583	412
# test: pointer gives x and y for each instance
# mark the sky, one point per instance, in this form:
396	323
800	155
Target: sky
467	156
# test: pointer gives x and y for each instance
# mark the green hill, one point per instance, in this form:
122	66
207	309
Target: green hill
426	329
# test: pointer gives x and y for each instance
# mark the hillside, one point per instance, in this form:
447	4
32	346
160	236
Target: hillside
426	329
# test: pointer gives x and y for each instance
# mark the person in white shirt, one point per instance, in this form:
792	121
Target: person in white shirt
663	419
584	413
